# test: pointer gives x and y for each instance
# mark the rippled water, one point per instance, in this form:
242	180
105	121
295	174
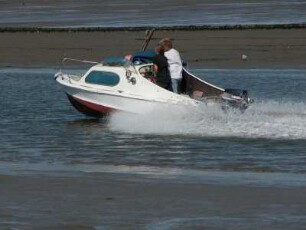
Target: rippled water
158	13
38	125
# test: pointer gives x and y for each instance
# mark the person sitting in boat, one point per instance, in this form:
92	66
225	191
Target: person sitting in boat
160	67
175	64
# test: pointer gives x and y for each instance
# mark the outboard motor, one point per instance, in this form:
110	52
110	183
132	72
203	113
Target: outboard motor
235	98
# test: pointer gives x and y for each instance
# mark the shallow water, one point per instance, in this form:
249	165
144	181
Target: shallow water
160	13
38	125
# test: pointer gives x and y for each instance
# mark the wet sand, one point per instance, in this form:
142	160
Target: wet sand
116	201
265	48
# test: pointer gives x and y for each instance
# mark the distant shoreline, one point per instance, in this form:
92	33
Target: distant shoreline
161	28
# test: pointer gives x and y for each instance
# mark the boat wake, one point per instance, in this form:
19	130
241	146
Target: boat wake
266	119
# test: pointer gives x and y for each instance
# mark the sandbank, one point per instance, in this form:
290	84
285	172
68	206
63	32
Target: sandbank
264	48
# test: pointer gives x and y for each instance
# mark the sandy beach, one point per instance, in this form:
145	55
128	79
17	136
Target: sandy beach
265	48
116	201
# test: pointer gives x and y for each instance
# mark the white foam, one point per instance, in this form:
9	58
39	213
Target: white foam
267	119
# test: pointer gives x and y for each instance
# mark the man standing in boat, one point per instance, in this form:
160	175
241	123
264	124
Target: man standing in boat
175	64
160	66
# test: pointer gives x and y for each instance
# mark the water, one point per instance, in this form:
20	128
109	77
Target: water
163	170
38	125
160	13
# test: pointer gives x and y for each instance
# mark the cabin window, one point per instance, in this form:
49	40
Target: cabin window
102	78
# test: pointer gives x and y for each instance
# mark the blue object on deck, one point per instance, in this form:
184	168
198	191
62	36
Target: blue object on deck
114	61
143	57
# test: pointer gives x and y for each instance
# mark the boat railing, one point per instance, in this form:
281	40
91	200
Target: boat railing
79	60
75	77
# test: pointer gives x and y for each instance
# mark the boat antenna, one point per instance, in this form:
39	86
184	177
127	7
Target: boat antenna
149	34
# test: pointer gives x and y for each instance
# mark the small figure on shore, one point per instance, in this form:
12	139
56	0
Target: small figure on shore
160	66
175	64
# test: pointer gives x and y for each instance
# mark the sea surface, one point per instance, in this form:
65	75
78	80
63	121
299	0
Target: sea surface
42	136
119	13
38	125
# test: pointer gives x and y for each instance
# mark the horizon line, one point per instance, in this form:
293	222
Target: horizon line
142	28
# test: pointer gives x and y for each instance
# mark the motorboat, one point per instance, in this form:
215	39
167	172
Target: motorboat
119	84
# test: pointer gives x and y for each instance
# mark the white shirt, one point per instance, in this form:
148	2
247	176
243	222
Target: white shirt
175	63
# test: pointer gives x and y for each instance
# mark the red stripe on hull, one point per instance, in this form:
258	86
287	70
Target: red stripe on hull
88	108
